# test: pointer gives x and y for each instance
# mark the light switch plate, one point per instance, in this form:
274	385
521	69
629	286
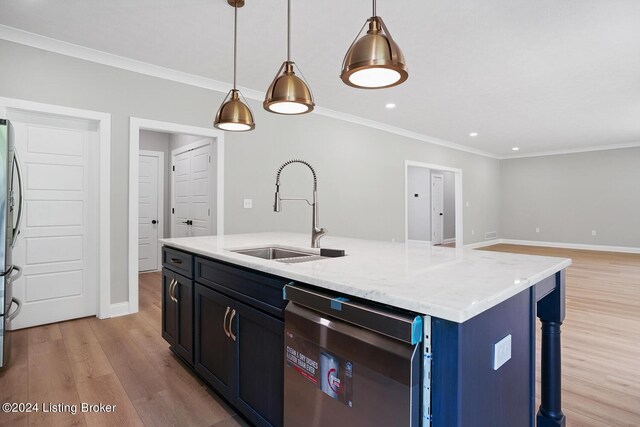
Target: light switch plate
501	352
248	203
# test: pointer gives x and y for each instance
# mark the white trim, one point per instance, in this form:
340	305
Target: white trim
160	199
573	151
448	241
135	125
580	246
458	197
482	244
76	51
426	242
120	309
104	198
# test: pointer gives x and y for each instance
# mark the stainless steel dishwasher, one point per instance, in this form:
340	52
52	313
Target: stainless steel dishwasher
349	364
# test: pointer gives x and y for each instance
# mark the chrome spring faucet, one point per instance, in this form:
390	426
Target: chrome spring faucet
316	231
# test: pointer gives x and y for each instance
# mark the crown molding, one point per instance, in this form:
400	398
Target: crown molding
573	150
100	57
92	55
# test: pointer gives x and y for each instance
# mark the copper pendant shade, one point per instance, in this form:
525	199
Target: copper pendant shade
288	93
234	114
374	61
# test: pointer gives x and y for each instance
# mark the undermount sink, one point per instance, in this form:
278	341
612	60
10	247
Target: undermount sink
287	256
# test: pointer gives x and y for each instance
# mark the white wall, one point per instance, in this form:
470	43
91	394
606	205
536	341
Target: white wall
360	169
568	196
159	141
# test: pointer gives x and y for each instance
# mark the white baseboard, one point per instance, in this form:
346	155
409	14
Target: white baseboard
582	246
120	309
483	244
426	242
449	241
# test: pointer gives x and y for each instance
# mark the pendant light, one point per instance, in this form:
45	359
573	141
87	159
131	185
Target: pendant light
234	113
288	93
374	61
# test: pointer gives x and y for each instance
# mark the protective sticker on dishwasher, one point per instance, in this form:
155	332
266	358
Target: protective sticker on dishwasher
326	370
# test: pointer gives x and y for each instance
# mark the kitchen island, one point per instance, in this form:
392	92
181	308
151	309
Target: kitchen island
470	301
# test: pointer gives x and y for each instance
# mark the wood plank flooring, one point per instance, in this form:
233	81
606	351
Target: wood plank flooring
124	361
600	337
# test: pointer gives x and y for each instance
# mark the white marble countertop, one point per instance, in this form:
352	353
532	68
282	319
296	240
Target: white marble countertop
453	284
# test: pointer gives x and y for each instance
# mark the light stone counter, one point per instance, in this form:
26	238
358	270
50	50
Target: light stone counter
452	284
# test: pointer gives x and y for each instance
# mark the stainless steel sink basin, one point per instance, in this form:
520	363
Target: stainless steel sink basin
287	256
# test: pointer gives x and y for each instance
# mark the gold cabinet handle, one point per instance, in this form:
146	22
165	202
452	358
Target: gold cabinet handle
233	314
224	323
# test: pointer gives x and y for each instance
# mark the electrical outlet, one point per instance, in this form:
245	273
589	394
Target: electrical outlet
467	204
248	203
593	232
473	232
537	229
501	352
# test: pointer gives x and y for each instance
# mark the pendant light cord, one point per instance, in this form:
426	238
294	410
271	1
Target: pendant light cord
288	30
374	7
235	42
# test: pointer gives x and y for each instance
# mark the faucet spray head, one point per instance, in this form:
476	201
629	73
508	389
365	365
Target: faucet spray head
277	204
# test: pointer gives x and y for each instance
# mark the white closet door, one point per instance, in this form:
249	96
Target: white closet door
182	195
57	248
192	181
200	192
148	213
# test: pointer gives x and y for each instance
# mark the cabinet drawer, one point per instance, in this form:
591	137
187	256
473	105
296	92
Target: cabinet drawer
178	261
263	291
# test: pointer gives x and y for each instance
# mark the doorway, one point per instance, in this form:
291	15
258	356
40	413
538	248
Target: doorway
433	204
63	246
191	160
150	208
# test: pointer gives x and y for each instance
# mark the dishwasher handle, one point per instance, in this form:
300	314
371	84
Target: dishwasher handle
401	326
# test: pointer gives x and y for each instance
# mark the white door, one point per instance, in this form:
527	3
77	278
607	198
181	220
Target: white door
58	245
437	209
148	212
192	182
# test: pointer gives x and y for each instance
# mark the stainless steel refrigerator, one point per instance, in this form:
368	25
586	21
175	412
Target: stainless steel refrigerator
11	208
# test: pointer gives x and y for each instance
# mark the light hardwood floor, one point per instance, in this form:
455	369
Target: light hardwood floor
600	337
125	361
122	361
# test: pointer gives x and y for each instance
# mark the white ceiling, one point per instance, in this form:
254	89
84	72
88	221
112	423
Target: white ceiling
543	75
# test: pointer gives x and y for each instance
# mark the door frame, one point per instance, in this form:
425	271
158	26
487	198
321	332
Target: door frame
137	124
457	173
433	217
104	307
188	147
160	156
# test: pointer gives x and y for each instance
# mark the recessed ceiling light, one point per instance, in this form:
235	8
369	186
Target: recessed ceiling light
473	134
515	148
390	105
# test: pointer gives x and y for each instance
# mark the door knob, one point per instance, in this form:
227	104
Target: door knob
153	221
188	222
441	214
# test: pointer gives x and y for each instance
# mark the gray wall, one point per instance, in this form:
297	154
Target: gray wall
568	196
361	170
159	141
